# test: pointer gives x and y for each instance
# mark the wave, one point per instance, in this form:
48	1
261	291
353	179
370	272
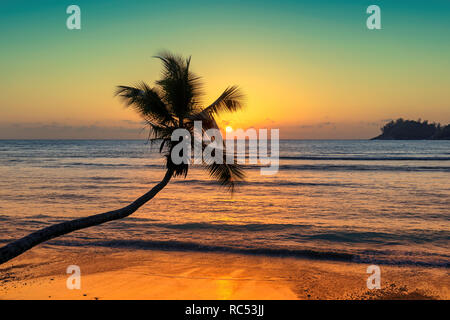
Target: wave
306	232
299	167
98	178
367	158
229	227
333	167
171	245
277	183
193	246
261	239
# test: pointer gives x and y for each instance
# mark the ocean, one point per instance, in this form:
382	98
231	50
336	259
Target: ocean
352	200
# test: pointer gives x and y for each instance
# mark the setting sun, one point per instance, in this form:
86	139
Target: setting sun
228	129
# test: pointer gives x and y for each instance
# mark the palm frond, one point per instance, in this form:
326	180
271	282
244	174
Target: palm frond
228	175
178	169
182	88
146	101
230	100
173	65
208	120
159	131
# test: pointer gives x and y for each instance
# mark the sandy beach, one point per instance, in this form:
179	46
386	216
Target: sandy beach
148	274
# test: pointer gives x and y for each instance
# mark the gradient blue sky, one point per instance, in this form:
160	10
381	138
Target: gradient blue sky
312	69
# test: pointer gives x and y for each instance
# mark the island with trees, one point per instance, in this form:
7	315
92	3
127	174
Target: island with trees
401	129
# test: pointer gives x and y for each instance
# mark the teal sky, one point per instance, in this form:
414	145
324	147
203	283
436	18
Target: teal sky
312	69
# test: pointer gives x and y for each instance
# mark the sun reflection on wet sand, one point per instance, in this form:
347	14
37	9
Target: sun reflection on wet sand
142	274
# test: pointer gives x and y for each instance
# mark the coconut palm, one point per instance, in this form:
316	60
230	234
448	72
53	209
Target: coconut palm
173	103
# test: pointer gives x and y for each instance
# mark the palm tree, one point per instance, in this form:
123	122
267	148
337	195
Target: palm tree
174	103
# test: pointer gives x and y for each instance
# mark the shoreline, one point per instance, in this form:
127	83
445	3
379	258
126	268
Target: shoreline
108	273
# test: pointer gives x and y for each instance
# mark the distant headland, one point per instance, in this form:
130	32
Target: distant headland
413	130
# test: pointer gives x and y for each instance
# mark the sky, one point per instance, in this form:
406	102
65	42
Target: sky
309	68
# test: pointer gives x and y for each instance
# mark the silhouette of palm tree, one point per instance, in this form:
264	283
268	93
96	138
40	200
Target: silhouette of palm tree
174	103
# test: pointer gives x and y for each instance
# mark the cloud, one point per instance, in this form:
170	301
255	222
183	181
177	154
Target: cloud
318	125
127	129
330	130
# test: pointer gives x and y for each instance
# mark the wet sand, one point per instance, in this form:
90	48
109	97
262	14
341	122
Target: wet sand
147	274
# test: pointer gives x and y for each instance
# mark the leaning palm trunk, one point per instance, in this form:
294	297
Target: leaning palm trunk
18	247
173	104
